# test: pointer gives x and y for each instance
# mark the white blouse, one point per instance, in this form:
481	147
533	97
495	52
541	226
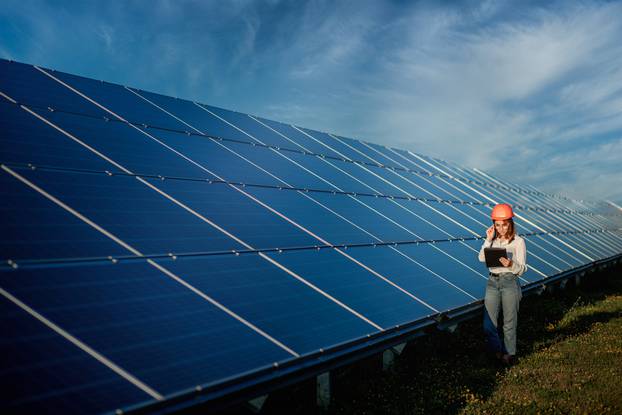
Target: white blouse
516	252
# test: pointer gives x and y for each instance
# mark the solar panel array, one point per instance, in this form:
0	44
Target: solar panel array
153	246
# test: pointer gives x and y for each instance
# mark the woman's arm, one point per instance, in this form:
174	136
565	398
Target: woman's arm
519	259
487	243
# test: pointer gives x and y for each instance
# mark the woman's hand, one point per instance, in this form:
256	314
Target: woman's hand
505	262
490	232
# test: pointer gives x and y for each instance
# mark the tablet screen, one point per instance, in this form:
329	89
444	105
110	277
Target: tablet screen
492	256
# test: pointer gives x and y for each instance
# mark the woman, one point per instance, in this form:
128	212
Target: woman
503	290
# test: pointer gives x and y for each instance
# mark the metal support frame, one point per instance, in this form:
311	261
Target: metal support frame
389	355
323	390
451	327
256	404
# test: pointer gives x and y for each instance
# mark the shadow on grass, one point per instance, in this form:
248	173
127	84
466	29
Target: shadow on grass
441	373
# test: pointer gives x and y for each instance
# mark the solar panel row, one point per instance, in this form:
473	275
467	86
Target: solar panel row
153	244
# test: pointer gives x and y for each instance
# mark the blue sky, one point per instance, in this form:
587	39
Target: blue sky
529	91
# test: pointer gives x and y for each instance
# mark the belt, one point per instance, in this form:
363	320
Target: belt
493	275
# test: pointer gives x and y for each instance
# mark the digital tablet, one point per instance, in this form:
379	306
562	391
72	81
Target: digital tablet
492	256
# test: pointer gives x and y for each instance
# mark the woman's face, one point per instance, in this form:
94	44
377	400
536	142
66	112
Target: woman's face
502	227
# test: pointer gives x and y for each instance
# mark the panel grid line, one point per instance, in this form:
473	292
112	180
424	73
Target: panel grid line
151	262
522	218
83	346
15	263
373	272
372	209
551	223
188	209
308	153
456	209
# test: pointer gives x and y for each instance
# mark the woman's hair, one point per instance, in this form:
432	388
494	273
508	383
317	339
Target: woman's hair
511	230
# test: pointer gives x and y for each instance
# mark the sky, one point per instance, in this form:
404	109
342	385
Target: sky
528	91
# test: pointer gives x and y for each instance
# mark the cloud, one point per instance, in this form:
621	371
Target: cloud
490	84
329	35
523	92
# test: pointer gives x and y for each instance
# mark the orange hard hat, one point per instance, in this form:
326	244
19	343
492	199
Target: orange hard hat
502	211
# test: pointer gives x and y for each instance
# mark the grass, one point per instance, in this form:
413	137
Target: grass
570	361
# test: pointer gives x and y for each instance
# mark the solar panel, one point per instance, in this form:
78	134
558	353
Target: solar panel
156	249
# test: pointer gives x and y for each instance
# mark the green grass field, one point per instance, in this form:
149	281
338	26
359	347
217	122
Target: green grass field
570	361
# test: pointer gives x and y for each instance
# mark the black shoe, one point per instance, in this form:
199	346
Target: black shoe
508	359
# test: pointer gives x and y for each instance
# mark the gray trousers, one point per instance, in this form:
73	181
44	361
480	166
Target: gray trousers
502	292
